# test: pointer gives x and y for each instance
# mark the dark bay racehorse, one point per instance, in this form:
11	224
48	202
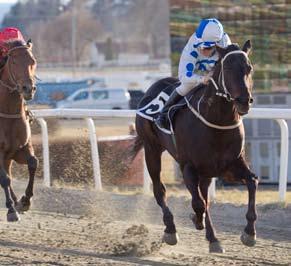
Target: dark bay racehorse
17	84
209	142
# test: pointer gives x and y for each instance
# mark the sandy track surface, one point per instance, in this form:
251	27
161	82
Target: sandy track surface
82	227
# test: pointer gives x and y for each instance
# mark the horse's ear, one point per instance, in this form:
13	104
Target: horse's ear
221	51
29	44
247	47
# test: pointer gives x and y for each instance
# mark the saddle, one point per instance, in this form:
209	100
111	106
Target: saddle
151	106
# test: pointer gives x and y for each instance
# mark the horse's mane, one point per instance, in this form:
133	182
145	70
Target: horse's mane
232	47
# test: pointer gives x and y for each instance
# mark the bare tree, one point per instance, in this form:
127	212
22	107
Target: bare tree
54	39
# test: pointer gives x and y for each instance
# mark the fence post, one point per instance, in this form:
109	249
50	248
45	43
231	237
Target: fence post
283	159
95	154
211	190
146	177
45	152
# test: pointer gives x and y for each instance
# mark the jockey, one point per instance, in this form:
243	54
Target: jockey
198	58
9	34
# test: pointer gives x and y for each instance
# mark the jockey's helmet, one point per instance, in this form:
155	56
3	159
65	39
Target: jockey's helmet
9	34
209	32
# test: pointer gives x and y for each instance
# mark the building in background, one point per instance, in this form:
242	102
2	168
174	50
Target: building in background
263	138
268	25
65	32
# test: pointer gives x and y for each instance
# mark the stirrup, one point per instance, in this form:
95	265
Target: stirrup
162	121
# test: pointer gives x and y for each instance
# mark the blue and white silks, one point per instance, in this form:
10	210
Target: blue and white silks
193	66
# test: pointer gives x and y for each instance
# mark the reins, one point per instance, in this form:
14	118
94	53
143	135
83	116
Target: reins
225	94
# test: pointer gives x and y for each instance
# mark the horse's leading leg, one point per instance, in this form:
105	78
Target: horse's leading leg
191	180
248	237
5	181
26	156
240	171
153	162
7	168
214	244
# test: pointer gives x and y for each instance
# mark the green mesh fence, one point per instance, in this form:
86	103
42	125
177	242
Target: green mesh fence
266	23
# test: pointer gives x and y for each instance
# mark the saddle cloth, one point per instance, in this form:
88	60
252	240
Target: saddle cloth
152	106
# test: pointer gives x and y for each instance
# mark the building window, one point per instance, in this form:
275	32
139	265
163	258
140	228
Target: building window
248	124
265	172
264	127
264	100
264	150
276	129
248	150
279	100
278	149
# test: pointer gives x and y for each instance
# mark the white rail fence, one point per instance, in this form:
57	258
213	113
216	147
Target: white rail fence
280	115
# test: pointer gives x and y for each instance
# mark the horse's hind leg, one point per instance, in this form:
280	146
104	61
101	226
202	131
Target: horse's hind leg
26	156
214	244
191	180
153	162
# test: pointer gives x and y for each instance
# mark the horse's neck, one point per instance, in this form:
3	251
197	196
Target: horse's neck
217	109
10	102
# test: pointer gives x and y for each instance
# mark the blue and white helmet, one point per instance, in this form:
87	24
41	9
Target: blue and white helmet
209	33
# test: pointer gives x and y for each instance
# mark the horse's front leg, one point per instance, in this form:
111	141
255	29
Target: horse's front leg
5	182
241	171
214	244
7	168
26	156
191	180
248	237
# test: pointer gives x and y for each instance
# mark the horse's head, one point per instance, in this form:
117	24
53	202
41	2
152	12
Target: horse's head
235	75
18	68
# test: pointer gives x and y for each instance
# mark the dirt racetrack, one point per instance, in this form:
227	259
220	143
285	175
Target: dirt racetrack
85	227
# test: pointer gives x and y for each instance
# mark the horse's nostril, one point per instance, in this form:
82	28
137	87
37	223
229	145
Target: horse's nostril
251	100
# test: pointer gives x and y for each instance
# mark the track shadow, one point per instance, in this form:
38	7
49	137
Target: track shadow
75	252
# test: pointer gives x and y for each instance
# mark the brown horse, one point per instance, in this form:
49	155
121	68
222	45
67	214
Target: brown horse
208	142
17	84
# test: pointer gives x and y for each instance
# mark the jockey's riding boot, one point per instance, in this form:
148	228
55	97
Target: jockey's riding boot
162	120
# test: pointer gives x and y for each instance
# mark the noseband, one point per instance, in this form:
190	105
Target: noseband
225	94
11	76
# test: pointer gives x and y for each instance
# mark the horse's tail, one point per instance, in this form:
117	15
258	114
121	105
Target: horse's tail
136	147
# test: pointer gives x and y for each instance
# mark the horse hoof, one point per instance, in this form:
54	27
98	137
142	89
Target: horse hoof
23	205
198	225
215	247
13	217
248	240
171	239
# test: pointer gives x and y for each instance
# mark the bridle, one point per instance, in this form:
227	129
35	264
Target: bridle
225	94
12	79
10	73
